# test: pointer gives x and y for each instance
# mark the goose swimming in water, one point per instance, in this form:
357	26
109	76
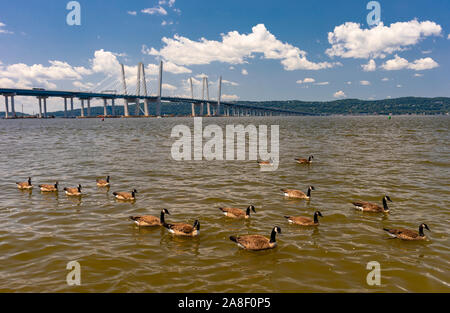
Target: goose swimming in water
103	182
257	242
25	185
73	191
126	196
305	161
238	213
372	207
407	234
265	163
49	188
305	221
149	220
293	193
183	229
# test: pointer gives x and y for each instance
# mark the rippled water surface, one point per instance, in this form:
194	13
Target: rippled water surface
407	157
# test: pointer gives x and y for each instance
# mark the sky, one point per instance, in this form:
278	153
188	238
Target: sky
264	50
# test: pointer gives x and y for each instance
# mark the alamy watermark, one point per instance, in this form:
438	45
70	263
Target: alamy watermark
73	278
374	276
374	16
189	145
74	16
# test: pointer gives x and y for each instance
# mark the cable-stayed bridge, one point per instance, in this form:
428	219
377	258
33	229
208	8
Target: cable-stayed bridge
213	107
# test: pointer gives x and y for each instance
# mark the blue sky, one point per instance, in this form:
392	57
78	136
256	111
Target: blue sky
272	50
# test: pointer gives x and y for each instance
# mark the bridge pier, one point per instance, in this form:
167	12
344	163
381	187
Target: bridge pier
40	107
13	109
105	103
88	107
113	107
65	107
137	108
82	108
125	108
71	107
45	106
146	112
6	107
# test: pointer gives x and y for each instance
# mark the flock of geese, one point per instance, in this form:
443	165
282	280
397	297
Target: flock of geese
249	242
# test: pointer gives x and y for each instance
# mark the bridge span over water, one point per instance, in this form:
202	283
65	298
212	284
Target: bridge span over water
213	107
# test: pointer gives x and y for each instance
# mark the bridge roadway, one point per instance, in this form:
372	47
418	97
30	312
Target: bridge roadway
229	109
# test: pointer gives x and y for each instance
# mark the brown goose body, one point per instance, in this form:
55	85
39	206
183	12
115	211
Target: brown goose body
305	221
305	161
125	196
408	234
25	185
150	220
183	229
103	182
264	163
257	242
237	213
372	207
49	188
294	193
73	191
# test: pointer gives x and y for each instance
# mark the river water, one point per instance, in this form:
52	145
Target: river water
355	158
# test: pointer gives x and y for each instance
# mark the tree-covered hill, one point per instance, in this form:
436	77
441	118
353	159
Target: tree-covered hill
407	105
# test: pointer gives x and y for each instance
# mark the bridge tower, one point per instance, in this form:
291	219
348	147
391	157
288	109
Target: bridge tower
219	95
158	101
192	97
208	106
124	83
144	82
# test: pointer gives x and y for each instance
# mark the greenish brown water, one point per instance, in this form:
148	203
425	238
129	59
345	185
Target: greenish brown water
407	157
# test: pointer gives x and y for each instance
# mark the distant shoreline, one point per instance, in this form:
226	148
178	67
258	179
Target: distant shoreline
344	107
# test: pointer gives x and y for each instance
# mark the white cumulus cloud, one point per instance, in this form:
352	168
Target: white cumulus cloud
339	94
349	40
306	80
3	30
244	71
369	67
236	48
398	63
364	83
226	97
156	10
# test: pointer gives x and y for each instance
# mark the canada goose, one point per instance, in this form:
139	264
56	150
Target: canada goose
265	163
406	234
237	213
305	161
73	191
25	185
149	220
372	207
128	196
292	193
182	229
103	182
305	221
49	188
257	242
